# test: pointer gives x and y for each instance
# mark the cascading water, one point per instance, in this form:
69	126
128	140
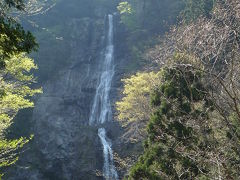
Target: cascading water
109	169
101	108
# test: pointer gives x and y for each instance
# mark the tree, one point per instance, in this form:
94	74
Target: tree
179	135
198	100
13	38
134	108
214	43
15	82
128	15
15	78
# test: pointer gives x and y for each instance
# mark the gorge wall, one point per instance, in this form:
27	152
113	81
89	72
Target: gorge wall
71	36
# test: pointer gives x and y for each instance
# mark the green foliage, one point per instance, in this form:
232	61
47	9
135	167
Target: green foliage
13	38
15	84
194	130
185	133
195	8
128	15
9	149
15	78
135	105
15	3
235	125
125	8
172	138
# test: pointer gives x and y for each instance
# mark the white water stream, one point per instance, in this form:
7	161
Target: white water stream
101	108
109	170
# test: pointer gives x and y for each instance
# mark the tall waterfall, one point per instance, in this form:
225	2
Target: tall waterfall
101	108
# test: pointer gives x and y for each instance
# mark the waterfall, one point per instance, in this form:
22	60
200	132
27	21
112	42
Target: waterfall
101	108
109	169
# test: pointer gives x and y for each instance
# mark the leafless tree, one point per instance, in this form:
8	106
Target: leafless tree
212	46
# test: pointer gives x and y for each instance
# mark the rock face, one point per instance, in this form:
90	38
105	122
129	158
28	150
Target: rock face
64	145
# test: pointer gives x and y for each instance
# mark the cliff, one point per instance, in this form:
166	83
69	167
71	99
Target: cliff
71	38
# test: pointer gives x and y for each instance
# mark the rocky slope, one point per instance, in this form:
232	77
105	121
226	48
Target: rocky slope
64	145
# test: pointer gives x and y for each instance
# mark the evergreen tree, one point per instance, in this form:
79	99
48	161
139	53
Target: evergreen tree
13	38
175	142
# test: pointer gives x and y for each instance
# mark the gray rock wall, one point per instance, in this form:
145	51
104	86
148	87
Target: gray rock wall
64	145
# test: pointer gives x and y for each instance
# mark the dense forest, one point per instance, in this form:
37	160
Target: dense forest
188	107
158	81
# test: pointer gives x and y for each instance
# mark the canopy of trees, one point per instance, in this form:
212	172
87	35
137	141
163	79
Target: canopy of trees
15	77
193	131
13	37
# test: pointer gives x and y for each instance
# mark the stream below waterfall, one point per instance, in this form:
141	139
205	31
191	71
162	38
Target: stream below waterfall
101	108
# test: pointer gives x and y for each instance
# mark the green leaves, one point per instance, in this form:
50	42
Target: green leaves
9	150
19	66
125	8
171	132
196	106
196	8
15	78
128	15
135	105
15	81
15	3
14	39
